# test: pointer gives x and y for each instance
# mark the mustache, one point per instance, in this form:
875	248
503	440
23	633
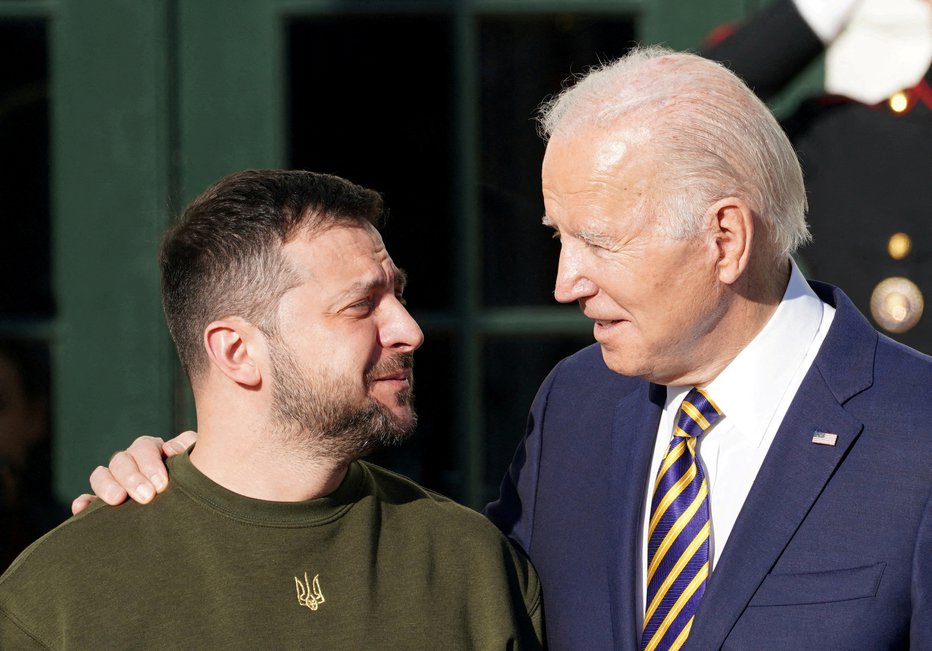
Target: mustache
390	365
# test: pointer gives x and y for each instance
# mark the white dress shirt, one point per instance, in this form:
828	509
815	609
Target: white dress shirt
754	393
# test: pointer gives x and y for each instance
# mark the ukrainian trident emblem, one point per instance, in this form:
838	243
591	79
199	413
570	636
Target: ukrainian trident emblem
309	594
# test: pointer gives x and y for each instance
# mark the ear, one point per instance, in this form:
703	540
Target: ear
232	345
732	223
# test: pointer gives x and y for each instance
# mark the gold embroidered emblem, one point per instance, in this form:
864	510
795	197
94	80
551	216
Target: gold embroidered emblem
309	594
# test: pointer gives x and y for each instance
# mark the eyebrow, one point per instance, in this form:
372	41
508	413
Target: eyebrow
590	237
594	237
401	278
365	286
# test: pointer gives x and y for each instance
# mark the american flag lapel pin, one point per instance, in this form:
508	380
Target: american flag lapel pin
824	438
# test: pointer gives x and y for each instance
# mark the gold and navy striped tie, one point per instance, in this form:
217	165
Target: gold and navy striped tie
678	534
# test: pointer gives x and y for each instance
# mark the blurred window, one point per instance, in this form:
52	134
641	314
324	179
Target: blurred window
436	110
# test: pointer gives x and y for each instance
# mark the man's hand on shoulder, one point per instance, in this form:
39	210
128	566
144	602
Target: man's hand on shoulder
137	472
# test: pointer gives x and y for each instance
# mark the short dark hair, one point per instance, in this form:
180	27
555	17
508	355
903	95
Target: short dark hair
224	255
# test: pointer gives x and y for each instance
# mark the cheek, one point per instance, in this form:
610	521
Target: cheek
345	348
678	296
699	304
358	352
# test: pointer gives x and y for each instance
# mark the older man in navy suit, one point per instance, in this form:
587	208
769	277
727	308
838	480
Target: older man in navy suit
742	462
798	513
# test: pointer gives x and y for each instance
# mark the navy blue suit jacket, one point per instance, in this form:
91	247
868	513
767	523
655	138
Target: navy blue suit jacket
832	549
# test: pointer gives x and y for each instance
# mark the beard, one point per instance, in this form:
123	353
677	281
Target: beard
322	415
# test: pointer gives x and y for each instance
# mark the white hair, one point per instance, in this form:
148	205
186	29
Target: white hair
710	136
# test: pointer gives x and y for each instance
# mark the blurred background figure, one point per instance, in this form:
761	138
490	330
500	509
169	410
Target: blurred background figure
865	144
27	506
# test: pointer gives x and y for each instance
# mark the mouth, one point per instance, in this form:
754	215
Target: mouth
399	376
603	328
397	372
605	324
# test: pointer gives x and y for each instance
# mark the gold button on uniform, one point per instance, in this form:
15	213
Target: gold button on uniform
898	102
899	246
897	304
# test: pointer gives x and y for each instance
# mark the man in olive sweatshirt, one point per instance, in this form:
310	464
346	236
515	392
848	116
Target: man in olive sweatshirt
288	317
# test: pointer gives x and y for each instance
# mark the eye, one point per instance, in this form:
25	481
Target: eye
600	246
364	306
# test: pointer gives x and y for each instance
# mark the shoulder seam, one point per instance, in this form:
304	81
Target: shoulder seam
22	627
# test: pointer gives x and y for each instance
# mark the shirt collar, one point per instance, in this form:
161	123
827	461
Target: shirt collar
752	386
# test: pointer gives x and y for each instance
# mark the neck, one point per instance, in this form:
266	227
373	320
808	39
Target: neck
244	455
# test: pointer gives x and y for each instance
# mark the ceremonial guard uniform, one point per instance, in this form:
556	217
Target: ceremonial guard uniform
868	171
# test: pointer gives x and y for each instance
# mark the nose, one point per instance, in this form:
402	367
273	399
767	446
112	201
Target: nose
399	330
572	283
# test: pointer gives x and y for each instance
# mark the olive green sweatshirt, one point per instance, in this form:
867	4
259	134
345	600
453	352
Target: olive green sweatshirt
381	563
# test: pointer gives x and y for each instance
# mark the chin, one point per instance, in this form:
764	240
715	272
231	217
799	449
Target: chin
631	366
403	418
619	362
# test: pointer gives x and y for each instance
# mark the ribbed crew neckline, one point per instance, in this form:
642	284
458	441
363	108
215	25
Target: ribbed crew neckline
193	483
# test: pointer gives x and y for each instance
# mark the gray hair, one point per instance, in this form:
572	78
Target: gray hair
710	135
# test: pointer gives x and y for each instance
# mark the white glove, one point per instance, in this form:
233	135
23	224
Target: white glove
826	17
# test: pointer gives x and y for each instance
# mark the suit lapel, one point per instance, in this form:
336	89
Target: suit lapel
788	484
634	431
793	474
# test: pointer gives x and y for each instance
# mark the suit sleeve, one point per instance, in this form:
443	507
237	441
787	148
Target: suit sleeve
920	633
513	511
769	50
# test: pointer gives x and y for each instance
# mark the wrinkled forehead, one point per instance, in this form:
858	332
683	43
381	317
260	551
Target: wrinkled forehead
338	247
595	160
593	180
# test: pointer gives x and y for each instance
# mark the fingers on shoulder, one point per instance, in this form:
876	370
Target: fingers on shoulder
106	487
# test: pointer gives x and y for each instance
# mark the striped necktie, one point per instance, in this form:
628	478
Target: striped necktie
678	534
